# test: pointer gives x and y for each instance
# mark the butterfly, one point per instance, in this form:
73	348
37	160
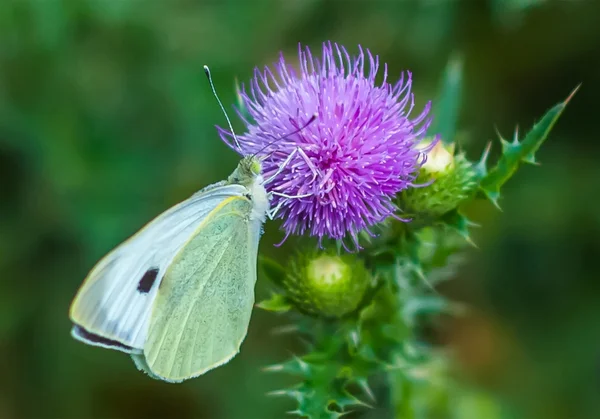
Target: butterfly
178	295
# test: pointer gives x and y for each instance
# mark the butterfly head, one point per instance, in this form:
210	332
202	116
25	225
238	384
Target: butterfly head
246	172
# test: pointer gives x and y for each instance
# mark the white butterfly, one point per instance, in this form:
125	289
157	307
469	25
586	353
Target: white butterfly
178	295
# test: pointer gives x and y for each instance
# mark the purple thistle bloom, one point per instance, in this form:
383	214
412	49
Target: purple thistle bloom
346	166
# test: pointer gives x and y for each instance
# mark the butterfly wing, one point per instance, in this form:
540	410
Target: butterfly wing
113	306
203	307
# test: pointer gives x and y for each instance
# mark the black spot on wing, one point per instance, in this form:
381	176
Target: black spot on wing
147	280
99	340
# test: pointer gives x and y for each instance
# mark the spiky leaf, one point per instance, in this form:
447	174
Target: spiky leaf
295	366
459	223
323	393
516	152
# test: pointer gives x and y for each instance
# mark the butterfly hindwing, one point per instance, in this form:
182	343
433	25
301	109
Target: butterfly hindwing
203	306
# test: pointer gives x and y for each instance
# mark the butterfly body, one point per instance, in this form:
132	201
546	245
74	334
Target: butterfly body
178	295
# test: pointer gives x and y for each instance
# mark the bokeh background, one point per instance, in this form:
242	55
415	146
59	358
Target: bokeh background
106	119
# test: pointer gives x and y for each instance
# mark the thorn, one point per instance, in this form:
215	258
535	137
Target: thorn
277	393
568	99
472	223
351	400
505	145
486	152
481	166
498	132
471	242
286	329
516	137
364	404
530	160
423	278
304	366
364	385
465	235
493	197
273	368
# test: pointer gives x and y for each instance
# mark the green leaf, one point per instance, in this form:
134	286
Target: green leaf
277	303
272	270
515	152
447	106
459	223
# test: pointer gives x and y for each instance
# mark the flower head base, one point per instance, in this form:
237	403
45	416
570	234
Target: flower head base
338	175
446	180
327	285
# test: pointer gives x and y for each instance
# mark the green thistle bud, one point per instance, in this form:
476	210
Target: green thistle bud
327	285
452	179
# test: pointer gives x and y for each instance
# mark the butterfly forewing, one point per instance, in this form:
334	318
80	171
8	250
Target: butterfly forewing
115	301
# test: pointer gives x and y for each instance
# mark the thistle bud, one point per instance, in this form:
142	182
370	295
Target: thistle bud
449	180
327	285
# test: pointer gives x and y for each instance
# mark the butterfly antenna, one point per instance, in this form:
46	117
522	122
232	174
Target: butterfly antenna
212	86
310	121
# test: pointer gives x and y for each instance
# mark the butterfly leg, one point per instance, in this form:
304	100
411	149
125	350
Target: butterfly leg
272	212
306	195
283	165
310	164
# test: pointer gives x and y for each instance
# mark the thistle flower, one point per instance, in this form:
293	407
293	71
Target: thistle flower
338	175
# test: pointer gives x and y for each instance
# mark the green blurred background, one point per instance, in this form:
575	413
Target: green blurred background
106	119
